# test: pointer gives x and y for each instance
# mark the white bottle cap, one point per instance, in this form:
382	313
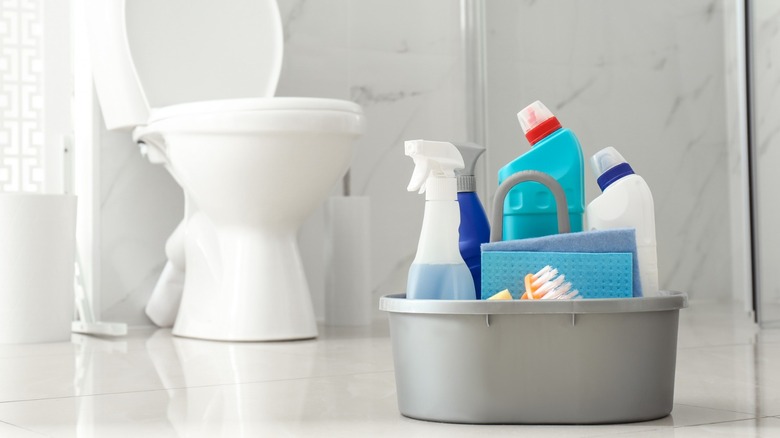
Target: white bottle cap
533	115
537	122
441	189
609	166
434	171
604	160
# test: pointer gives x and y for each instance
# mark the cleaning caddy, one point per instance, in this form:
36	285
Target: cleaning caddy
556	356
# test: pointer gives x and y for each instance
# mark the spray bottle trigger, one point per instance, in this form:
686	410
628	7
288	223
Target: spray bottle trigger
419	176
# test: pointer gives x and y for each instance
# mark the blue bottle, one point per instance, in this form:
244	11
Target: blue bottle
474	227
529	208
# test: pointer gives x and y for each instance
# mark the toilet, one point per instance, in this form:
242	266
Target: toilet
195	86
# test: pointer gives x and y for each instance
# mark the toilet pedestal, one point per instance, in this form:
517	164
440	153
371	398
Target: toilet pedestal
244	284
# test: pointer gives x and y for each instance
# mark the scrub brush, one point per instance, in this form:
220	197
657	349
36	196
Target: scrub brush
544	285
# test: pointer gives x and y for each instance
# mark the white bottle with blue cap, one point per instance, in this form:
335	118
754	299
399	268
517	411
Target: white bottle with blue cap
626	202
438	270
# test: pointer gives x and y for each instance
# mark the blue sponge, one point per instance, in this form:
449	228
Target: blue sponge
595	275
622	240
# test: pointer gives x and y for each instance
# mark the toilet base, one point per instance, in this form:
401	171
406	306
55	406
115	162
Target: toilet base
244	284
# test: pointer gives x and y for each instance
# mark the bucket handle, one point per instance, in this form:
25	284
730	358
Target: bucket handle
564	226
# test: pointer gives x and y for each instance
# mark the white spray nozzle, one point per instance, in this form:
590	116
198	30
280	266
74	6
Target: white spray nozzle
605	159
432	159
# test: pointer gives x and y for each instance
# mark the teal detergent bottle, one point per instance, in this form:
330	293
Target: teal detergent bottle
529	208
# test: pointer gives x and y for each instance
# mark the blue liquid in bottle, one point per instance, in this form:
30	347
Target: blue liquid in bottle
440	282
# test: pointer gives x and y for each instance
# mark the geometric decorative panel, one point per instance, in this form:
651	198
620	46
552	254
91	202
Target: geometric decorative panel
21	96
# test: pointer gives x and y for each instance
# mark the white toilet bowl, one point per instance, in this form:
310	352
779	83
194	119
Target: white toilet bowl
252	169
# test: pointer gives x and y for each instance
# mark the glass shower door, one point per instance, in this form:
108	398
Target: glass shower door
764	36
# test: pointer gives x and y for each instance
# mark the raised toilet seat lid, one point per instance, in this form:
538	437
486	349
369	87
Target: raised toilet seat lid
160	53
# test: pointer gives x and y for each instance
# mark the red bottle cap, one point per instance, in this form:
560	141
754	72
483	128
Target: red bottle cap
537	122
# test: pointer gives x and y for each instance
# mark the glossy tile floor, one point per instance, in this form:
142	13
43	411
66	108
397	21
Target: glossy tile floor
151	384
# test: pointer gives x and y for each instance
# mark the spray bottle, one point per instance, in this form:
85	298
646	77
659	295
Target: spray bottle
529	208
626	203
474	226
438	270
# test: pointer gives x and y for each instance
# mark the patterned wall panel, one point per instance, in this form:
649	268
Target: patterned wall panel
21	95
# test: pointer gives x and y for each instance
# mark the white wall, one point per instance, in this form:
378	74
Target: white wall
400	60
140	205
645	77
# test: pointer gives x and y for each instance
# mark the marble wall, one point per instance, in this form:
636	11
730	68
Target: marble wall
766	76
645	77
140	205
401	60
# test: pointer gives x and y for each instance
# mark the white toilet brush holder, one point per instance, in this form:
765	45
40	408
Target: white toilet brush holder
348	254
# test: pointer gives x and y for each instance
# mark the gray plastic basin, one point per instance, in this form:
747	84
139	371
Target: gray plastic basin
540	362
